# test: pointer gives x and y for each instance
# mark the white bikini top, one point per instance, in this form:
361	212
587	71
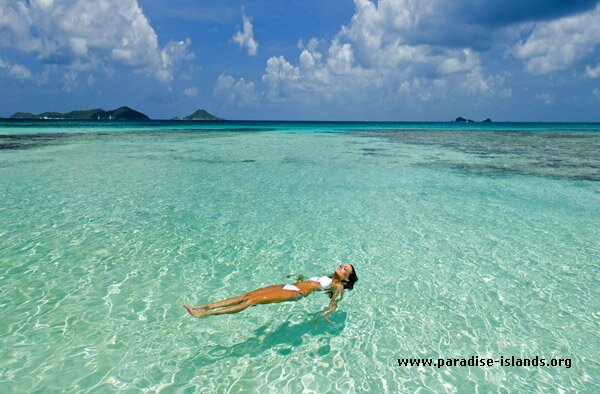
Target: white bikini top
324	281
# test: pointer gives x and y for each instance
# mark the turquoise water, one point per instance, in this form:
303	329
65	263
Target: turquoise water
469	240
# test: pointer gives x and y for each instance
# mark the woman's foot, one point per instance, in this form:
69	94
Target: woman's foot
195	310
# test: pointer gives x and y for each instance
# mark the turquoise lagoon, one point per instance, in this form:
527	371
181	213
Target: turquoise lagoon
469	240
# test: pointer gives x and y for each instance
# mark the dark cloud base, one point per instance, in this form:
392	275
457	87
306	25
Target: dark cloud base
483	24
502	13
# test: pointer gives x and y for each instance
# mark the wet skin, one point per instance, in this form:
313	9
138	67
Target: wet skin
272	294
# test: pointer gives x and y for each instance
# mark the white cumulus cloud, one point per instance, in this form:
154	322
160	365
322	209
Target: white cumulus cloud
280	72
245	38
88	34
373	58
558	44
235	92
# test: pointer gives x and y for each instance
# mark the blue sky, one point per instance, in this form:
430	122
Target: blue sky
527	60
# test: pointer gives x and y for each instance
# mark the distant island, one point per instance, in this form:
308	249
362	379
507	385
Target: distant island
460	119
200	115
121	113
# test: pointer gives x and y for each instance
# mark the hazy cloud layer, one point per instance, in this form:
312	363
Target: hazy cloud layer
13	70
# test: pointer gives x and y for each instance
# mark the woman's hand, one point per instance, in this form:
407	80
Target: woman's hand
299	277
328	311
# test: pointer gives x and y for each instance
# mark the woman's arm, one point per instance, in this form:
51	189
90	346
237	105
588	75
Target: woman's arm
338	291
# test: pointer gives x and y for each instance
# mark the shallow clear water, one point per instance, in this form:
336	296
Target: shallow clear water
467	239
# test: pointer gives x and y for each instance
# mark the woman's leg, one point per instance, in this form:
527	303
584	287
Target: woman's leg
230	301
265	295
241	298
194	310
229	309
197	310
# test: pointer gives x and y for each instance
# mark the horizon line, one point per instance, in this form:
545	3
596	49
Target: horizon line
287	120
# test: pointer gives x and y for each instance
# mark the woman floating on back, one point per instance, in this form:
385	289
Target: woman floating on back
343	278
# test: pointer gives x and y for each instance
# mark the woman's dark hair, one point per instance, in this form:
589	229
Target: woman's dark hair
348	283
352	279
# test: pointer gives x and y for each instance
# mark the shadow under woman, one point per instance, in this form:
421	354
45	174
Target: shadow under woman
282	339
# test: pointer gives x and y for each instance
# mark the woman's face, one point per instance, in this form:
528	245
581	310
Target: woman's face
343	271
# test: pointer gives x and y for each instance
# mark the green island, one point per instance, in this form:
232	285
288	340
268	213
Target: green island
200	115
121	113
